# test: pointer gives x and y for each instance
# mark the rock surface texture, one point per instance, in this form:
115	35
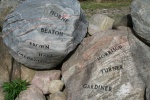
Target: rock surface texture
40	34
5	67
32	93
55	86
7	6
111	65
58	96
140	12
42	79
99	22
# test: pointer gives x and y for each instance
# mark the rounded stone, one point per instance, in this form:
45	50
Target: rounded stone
58	96
55	86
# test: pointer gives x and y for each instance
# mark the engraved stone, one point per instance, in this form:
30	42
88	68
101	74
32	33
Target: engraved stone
110	65
40	34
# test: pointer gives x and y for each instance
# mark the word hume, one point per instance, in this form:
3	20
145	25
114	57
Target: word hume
109	52
109	69
100	87
45	55
55	14
53	32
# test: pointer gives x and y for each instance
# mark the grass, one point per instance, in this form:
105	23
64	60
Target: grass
13	88
105	5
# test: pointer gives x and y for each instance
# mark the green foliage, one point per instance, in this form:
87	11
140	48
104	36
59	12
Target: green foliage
13	88
105	5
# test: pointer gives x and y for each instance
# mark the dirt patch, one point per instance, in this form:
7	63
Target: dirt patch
114	13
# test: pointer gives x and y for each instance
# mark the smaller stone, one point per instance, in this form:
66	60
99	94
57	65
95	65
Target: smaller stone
55	86
58	96
99	22
42	79
32	93
27	73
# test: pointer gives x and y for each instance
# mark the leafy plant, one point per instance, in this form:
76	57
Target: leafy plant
13	88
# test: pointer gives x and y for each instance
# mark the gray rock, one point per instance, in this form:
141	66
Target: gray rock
40	34
99	22
140	12
111	65
32	93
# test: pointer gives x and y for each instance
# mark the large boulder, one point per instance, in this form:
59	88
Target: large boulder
41	34
111	65
140	12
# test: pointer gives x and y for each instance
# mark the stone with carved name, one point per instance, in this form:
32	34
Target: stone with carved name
140	12
40	34
111	65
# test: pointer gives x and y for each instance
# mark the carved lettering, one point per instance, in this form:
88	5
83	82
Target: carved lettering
30	58
39	46
61	17
100	87
109	69
109	52
45	55
53	32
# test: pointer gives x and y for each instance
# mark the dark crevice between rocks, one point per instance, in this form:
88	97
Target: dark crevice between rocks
124	21
0	29
11	70
145	95
47	96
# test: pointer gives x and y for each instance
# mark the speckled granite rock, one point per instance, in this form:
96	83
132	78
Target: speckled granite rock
40	34
111	65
